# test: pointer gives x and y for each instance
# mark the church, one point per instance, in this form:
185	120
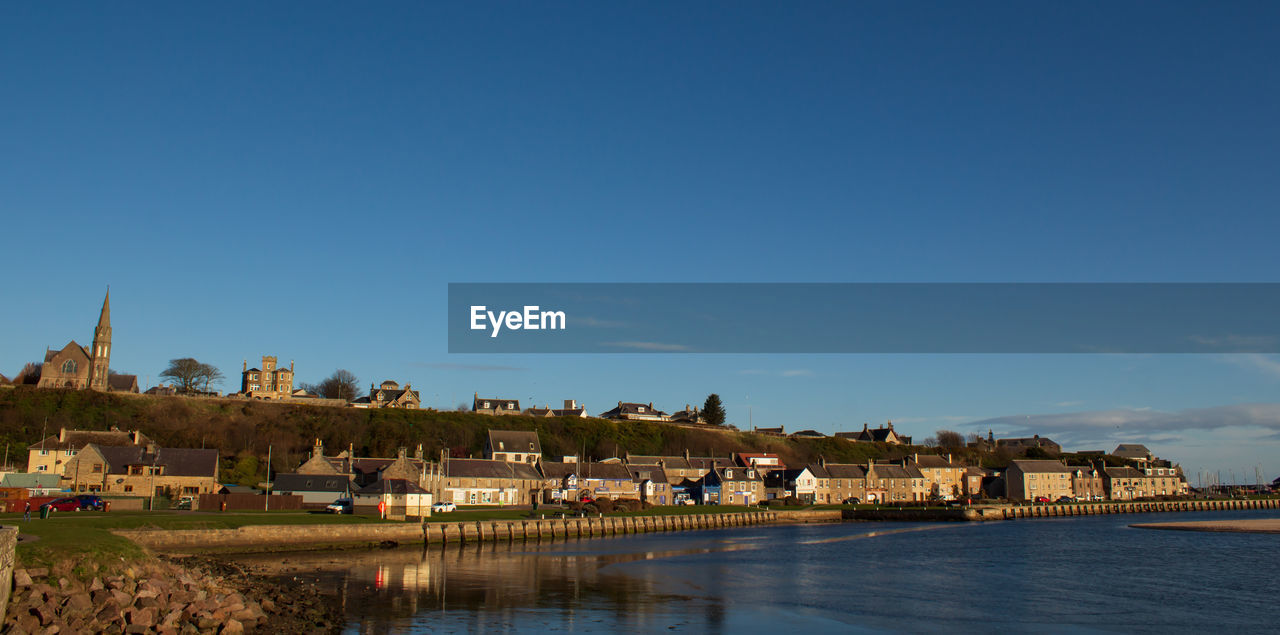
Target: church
77	366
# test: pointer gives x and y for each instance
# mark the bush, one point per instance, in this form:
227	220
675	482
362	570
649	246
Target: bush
628	505
604	504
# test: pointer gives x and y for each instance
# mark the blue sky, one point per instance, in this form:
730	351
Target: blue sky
306	181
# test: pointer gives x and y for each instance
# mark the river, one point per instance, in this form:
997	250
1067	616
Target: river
1077	574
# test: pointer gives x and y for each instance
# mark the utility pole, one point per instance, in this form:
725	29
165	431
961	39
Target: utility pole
266	500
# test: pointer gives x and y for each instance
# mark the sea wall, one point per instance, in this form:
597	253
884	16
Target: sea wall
1009	512
284	537
8	543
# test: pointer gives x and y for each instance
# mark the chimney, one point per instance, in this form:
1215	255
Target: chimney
402	452
244	365
890	425
417	454
865	426
62	435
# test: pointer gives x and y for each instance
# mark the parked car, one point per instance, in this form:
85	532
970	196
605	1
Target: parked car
1042	499
852	500
443	507
341	506
63	505
186	502
1066	499
91	502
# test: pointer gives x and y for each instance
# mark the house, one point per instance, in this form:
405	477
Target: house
803	483
389	395
1028	480
560	480
268	382
944	478
400	498
516	446
882	434
889	483
771	432
495	406
362	471
732	485
844	481
1128	483
974	480
50	455
626	411
651	483
1020	445
162	390
1087	483
316	490
613	480
688	415
808	434
142	471
490	482
76	366
571	409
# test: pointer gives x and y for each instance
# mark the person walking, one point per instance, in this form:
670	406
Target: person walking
26	512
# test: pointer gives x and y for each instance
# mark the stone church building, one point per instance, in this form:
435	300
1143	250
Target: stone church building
77	366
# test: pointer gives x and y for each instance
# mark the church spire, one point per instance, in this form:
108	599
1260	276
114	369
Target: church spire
104	318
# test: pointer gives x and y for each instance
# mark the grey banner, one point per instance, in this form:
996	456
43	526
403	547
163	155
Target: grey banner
864	318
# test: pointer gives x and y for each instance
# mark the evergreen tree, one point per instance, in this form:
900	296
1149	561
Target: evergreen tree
713	411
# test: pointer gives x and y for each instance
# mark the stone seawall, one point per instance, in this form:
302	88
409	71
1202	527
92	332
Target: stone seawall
301	537
1010	512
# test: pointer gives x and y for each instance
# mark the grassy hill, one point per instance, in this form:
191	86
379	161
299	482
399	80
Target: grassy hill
243	430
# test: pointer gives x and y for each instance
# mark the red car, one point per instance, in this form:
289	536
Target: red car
1042	499
63	505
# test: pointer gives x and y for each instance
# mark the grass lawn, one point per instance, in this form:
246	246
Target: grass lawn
682	510
86	536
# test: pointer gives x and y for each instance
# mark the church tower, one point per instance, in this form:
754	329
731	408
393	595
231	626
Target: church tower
100	354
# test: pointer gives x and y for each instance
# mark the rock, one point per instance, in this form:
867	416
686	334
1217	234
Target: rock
21	578
44	613
123	599
64	584
38	573
232	627
141	617
96	585
80	602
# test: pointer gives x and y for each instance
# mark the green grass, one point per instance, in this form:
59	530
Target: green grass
683	510
86	537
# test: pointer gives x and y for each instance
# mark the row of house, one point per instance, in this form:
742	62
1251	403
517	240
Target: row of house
624	411
124	463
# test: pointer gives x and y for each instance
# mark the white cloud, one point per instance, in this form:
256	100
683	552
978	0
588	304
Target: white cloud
1266	364
1136	424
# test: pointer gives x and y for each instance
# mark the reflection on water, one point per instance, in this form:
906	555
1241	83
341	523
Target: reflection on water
1057	575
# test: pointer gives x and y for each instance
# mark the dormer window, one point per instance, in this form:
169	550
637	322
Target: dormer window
728	473
511	406
486	404
640	409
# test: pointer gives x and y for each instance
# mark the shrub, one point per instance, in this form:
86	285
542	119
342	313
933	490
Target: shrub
628	505
604	504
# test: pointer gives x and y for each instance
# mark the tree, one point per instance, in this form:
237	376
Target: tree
191	375
949	439
29	375
342	384
713	410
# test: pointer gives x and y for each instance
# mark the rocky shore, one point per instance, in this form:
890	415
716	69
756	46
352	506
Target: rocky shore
182	595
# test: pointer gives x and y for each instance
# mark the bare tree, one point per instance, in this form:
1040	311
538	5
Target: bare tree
342	384
191	375
29	375
949	439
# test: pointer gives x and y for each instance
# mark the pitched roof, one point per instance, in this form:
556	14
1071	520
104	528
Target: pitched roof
486	468
78	439
1122	472
844	470
1042	465
123	383
495	404
629	408
30	480
310	483
932	460
514	441
808	434
604	471
641	473
176	461
1132	451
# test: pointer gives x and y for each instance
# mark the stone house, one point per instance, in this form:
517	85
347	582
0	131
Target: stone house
732	485
402	498
142	471
652	484
606	479
1128	483
268	382
881	434
316	490
1021	444
943	477
844	481
626	411
488	406
1027	480
889	483
489	482
50	455
389	395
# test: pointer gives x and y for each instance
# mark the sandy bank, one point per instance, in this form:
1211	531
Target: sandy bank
1249	526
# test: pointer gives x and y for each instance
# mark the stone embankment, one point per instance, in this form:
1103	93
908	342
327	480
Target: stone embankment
178	597
303	537
1010	512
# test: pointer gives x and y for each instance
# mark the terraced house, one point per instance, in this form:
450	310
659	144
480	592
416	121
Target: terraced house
889	483
51	454
1028	480
489	482
732	485
143	471
943	477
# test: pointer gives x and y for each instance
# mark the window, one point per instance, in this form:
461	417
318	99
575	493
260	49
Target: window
511	406
42	468
69	366
486	404
68	452
640	410
44	453
97	468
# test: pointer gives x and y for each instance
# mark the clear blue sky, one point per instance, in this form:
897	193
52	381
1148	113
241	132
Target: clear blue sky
305	180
